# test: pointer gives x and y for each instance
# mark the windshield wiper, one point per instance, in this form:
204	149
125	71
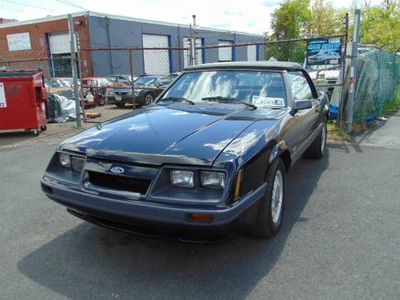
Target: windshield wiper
222	99
177	99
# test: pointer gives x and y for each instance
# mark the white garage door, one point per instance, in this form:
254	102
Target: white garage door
59	43
252	53
225	53
186	53
156	62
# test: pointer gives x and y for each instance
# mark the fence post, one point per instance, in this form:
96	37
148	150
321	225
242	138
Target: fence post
79	58
74	71
191	57
354	54
344	70
133	84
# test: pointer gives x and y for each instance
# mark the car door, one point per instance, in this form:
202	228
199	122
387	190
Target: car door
306	120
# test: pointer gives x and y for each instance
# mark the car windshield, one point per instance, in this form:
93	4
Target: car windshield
164	81
145	80
260	88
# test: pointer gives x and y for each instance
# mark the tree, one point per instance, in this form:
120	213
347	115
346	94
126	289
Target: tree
380	26
289	21
325	19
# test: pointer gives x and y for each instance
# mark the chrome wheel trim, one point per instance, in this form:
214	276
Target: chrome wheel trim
277	197
148	99
323	139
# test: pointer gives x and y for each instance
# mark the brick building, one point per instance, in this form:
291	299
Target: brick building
45	43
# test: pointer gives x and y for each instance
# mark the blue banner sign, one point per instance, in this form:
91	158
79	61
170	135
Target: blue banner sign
325	51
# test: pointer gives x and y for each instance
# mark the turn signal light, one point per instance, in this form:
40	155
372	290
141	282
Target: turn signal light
202	218
238	187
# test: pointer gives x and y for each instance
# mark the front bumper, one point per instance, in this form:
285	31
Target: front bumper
125	98
145	216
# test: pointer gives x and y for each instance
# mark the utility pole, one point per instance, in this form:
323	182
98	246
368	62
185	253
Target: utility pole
354	54
74	71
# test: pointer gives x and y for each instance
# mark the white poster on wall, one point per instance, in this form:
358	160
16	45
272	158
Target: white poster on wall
19	41
3	101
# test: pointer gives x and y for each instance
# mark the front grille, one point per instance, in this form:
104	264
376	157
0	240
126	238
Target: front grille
119	183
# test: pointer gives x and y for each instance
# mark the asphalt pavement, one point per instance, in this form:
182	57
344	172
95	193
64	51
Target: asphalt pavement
340	240
387	136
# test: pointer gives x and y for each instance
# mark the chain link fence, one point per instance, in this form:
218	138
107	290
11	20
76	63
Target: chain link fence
115	81
378	80
294	51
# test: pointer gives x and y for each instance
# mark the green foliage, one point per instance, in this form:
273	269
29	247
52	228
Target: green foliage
392	106
300	18
287	51
337	134
291	19
380	26
326	19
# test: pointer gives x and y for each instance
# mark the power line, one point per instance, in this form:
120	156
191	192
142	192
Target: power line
69	3
27	5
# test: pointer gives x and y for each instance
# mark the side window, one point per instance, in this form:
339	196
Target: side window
300	88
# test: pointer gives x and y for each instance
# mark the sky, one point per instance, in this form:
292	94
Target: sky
251	16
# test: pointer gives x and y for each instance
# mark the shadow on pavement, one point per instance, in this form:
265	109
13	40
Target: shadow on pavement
92	262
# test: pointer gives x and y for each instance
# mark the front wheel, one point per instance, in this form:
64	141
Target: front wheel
317	148
272	206
148	99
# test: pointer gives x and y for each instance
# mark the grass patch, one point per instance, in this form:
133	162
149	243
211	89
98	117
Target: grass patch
392	106
337	134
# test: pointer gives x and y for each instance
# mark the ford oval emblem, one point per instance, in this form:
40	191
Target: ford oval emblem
117	170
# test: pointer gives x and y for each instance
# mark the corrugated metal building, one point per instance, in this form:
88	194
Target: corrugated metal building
46	38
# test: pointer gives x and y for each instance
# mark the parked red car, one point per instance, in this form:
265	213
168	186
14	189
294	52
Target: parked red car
95	90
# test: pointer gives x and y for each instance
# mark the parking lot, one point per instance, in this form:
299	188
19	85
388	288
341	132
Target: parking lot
340	240
107	112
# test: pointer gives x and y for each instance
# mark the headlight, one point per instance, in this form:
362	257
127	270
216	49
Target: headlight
75	163
182	178
215	180
65	160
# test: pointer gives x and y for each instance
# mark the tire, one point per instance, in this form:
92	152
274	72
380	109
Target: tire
120	105
148	99
102	101
43	128
36	132
317	148
271	209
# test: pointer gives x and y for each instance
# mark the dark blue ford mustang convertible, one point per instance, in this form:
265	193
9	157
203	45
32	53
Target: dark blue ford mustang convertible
208	158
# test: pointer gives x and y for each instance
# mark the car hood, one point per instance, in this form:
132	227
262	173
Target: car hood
175	133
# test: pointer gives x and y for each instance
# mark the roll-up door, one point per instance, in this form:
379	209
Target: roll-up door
252	52
156	62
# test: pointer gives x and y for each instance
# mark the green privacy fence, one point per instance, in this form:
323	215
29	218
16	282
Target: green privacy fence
378	82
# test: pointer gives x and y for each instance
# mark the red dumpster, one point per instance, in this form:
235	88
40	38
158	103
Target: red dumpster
23	99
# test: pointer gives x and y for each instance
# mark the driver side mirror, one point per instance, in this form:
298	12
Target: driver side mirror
300	105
